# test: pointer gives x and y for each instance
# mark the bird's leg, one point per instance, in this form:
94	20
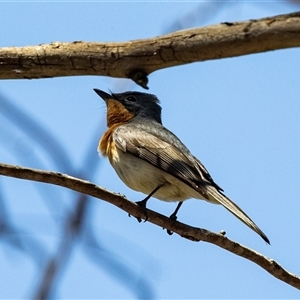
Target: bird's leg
143	203
174	217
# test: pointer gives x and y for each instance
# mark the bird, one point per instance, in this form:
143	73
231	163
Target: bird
150	159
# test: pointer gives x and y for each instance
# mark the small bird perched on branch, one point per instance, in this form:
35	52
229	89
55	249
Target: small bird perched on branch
151	159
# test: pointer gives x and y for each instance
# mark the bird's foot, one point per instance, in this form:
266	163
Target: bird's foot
139	219
173	217
142	204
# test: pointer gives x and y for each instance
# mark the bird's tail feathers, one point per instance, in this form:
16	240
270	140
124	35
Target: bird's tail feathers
234	209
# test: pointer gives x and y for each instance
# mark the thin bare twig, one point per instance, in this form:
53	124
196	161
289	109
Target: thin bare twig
186	231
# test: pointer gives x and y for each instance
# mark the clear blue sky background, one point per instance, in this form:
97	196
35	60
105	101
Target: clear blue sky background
239	116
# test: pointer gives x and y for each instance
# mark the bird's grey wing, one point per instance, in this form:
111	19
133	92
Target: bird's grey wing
203	170
170	138
160	154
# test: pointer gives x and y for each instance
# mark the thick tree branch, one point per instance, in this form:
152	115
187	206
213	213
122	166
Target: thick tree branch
148	55
191	233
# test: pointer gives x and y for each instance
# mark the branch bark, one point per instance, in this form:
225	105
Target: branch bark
185	231
135	59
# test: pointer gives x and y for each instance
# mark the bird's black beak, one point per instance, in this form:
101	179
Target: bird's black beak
103	95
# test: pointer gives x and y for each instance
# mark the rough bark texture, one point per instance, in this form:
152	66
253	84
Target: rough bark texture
149	55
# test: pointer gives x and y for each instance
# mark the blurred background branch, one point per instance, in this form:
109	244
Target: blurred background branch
52	266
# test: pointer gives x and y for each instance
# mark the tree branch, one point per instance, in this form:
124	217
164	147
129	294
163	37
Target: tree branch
186	231
135	59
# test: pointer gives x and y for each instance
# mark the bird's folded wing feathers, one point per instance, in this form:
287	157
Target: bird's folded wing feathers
162	155
200	167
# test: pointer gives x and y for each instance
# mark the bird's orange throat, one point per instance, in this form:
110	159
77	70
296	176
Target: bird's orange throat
117	115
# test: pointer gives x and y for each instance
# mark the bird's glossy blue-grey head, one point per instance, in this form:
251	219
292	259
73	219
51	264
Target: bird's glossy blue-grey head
139	104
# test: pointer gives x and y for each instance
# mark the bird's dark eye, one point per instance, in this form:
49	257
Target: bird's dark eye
131	99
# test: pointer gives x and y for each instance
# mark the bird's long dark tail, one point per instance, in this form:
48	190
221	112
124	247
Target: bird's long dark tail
217	196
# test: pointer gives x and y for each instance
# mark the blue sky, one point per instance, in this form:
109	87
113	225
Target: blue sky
239	116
